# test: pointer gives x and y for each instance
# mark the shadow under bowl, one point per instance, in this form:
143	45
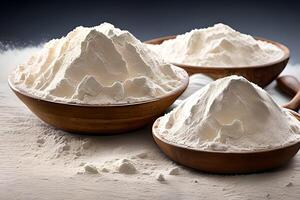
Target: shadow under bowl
261	75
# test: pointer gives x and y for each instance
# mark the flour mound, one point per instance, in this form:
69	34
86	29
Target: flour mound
90	169
217	46
97	65
126	167
160	177
230	114
174	171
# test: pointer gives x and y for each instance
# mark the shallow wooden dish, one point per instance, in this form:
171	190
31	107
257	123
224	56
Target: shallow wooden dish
98	119
262	75
227	162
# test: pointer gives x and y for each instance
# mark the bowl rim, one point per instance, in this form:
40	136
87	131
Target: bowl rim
180	89
173	145
285	49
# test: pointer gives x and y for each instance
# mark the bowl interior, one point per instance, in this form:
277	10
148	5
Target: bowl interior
227	162
261	75
181	88
286	53
99	119
295	114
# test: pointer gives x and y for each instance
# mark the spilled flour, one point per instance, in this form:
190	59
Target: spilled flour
230	114
56	164
217	46
97	65
79	155
140	164
38	161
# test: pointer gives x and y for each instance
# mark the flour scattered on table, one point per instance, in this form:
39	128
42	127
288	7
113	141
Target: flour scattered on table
105	170
91	169
174	171
290	184
142	155
125	166
24	158
160	177
40	141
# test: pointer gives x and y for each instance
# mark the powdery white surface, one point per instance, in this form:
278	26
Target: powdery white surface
217	46
38	161
97	65
230	114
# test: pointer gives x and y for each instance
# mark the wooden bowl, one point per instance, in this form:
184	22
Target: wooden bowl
226	162
262	75
98	119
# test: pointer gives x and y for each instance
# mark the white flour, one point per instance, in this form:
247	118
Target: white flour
230	114
49	161
98	65
33	156
217	46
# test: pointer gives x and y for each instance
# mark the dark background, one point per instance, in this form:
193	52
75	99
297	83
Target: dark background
32	22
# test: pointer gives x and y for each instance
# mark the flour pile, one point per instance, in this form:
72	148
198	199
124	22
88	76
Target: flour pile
136	165
217	46
230	114
98	65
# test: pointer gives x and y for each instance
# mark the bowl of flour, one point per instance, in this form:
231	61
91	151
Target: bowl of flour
97	80
220	51
229	126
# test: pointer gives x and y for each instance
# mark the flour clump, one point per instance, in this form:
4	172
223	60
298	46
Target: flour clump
125	166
